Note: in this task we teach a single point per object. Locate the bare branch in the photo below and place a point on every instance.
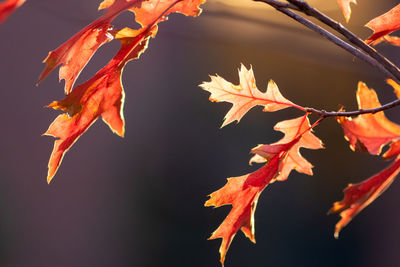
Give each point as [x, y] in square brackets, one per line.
[354, 39]
[326, 114]
[283, 8]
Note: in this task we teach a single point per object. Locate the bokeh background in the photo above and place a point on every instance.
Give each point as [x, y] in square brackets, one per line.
[138, 201]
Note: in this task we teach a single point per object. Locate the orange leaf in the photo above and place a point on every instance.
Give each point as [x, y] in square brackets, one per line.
[245, 96]
[369, 131]
[74, 54]
[393, 40]
[393, 150]
[384, 24]
[358, 196]
[146, 10]
[102, 95]
[243, 192]
[346, 9]
[7, 7]
[395, 86]
[293, 159]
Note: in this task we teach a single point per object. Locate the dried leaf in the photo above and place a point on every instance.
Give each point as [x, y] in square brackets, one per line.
[393, 40]
[384, 24]
[293, 159]
[7, 7]
[358, 196]
[393, 151]
[359, 129]
[103, 94]
[245, 96]
[346, 9]
[243, 192]
[395, 86]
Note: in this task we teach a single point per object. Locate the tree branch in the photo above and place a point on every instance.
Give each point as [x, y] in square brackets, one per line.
[326, 114]
[304, 7]
[283, 8]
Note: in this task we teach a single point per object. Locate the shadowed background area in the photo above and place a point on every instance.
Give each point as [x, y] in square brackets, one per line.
[138, 201]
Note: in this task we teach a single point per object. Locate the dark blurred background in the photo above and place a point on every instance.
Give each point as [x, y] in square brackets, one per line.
[138, 201]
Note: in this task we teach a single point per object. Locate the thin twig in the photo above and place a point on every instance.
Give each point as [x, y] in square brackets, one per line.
[326, 114]
[280, 4]
[369, 55]
[354, 39]
[282, 7]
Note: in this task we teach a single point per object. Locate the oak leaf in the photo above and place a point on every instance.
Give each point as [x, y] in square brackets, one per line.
[346, 9]
[293, 159]
[358, 196]
[7, 7]
[103, 94]
[243, 192]
[146, 10]
[74, 54]
[245, 96]
[384, 24]
[358, 130]
[393, 40]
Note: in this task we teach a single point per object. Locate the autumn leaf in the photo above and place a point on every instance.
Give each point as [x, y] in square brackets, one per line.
[358, 130]
[74, 54]
[146, 12]
[102, 95]
[393, 40]
[243, 192]
[7, 7]
[384, 24]
[346, 9]
[396, 87]
[245, 96]
[293, 160]
[358, 196]
[393, 151]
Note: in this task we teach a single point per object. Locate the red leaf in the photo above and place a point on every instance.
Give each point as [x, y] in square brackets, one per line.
[384, 24]
[7, 7]
[102, 95]
[293, 159]
[395, 86]
[393, 150]
[393, 40]
[346, 9]
[245, 96]
[358, 196]
[243, 192]
[146, 10]
[74, 54]
[358, 131]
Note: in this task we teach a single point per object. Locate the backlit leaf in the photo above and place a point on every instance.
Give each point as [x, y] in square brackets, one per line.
[243, 192]
[7, 7]
[103, 94]
[369, 131]
[384, 24]
[293, 159]
[346, 9]
[358, 196]
[245, 96]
